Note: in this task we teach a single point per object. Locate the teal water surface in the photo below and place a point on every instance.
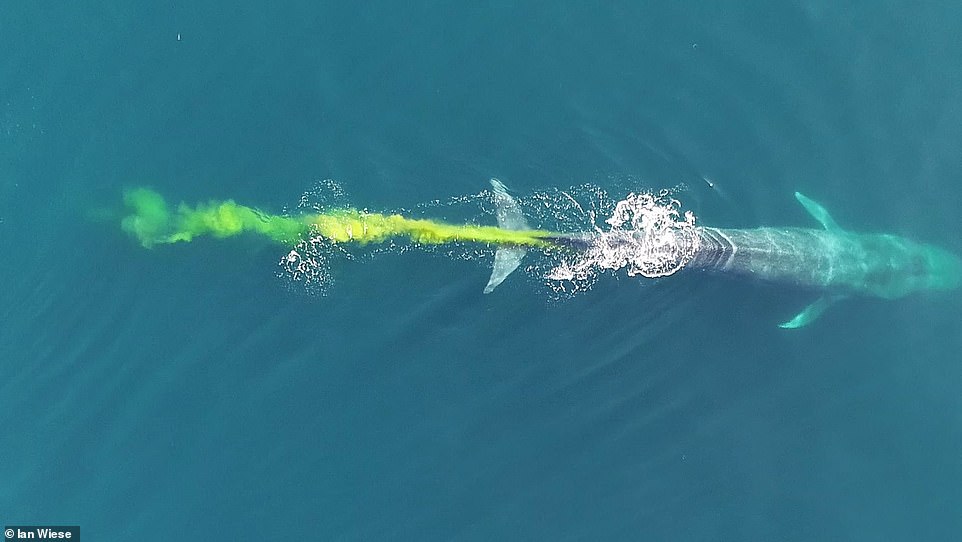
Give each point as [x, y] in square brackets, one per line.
[188, 392]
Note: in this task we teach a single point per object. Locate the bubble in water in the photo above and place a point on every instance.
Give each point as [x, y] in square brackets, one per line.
[325, 195]
[307, 267]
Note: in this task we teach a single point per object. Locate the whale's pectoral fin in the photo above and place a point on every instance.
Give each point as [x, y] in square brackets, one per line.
[811, 313]
[507, 258]
[818, 212]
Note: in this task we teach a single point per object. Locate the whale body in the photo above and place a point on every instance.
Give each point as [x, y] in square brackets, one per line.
[829, 261]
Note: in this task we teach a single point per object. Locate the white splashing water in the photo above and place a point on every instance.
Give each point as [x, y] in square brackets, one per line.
[646, 235]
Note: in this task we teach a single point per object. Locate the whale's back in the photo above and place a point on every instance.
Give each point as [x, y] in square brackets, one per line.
[879, 265]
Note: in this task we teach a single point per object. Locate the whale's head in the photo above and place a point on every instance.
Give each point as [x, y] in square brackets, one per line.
[941, 269]
[894, 267]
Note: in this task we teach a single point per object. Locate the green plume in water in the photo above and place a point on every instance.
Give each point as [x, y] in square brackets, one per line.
[150, 219]
[152, 222]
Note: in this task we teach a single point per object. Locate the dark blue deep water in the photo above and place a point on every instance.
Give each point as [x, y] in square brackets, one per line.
[186, 392]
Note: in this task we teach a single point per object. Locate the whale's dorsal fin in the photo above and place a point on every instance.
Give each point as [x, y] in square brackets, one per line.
[811, 313]
[818, 212]
[506, 258]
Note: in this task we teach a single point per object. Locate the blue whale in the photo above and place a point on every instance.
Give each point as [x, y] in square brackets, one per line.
[830, 262]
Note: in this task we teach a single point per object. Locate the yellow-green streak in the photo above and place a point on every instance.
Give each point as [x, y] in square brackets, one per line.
[152, 222]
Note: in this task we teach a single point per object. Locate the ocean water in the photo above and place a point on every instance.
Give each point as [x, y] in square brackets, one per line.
[189, 392]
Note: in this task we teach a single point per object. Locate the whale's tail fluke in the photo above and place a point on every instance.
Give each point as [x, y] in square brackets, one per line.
[507, 258]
